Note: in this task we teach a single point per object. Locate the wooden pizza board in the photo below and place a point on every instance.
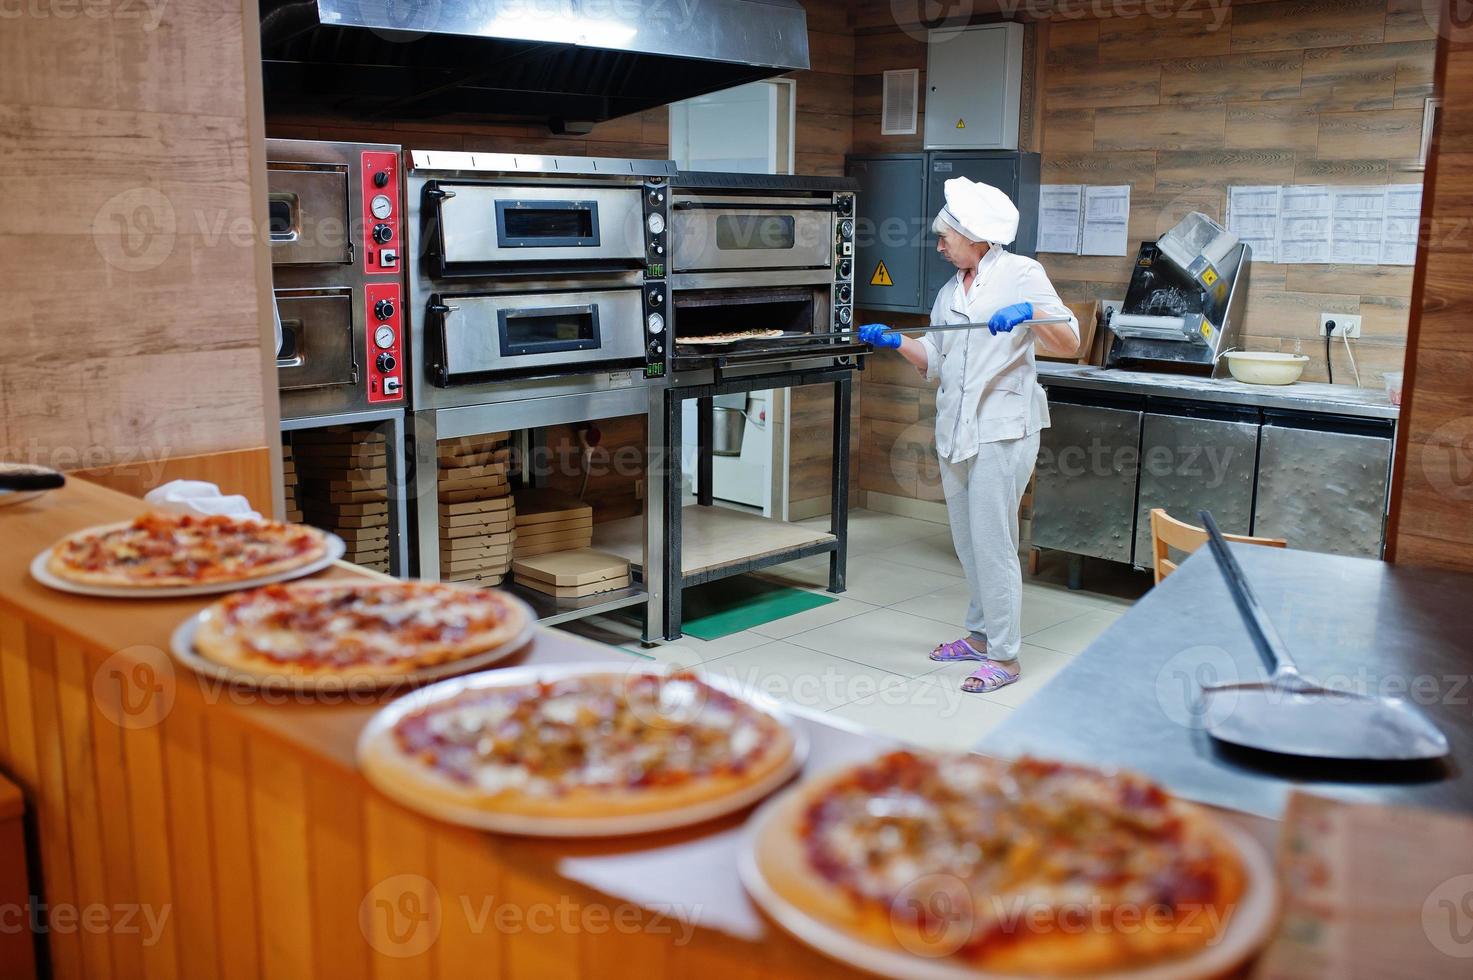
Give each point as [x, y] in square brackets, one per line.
[580, 566]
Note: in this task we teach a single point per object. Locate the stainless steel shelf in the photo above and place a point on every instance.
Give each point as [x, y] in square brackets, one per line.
[551, 610]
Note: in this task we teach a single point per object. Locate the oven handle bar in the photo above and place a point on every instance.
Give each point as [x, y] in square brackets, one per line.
[749, 206]
[944, 327]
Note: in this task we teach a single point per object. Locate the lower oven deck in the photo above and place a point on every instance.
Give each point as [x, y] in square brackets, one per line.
[745, 327]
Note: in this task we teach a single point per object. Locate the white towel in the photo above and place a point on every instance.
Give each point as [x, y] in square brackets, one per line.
[199, 497]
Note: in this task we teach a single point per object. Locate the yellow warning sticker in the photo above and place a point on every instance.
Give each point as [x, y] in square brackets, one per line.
[881, 276]
[1207, 331]
[1209, 276]
[961, 124]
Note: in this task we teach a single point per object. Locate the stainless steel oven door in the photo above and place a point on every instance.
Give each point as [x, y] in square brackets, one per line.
[307, 214]
[480, 223]
[710, 233]
[317, 347]
[561, 332]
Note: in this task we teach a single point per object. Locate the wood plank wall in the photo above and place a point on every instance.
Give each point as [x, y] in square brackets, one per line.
[134, 328]
[1432, 503]
[822, 137]
[1181, 107]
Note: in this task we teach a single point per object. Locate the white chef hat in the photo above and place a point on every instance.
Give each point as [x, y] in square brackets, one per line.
[979, 211]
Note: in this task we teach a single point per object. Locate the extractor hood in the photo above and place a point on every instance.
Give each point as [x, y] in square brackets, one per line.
[566, 62]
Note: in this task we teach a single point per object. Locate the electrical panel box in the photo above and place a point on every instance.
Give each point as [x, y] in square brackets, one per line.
[896, 265]
[974, 87]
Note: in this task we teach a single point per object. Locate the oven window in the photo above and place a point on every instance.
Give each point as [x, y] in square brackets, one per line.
[736, 232]
[547, 331]
[280, 217]
[547, 224]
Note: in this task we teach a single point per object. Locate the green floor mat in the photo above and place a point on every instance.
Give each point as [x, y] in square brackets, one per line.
[731, 605]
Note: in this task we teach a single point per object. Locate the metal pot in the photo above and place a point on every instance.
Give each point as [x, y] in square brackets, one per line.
[730, 427]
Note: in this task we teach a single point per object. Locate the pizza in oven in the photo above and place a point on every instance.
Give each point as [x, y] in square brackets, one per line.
[1019, 867]
[158, 550]
[732, 337]
[581, 746]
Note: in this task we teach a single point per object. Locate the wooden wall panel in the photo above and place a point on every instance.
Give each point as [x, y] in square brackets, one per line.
[135, 323]
[1432, 481]
[1184, 105]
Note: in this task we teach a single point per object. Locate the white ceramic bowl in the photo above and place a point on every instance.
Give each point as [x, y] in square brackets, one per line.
[1266, 367]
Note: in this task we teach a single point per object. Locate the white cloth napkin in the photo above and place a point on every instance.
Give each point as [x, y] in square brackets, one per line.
[199, 497]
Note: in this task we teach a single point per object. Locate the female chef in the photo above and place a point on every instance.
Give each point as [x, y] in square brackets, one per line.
[990, 409]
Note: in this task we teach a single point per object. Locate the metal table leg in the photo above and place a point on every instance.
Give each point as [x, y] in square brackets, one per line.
[705, 442]
[671, 566]
[426, 488]
[395, 463]
[839, 504]
[656, 522]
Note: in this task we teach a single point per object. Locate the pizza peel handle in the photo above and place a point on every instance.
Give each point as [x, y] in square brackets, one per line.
[1290, 714]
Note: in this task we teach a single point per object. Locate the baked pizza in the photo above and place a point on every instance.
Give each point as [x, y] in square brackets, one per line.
[581, 746]
[732, 337]
[1025, 866]
[355, 628]
[161, 549]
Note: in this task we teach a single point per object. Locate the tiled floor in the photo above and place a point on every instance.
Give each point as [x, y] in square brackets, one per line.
[864, 657]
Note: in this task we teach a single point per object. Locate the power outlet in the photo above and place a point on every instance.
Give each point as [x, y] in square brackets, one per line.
[1347, 324]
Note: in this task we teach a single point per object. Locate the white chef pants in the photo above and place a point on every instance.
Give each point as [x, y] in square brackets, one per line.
[982, 499]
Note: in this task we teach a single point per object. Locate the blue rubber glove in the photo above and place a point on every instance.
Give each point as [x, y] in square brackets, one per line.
[879, 335]
[1005, 319]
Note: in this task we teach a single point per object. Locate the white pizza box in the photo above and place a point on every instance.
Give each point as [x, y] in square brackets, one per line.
[505, 532]
[575, 591]
[537, 506]
[493, 519]
[582, 535]
[484, 506]
[533, 550]
[450, 474]
[577, 567]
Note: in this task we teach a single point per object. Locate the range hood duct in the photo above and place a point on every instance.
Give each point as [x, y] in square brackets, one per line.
[563, 62]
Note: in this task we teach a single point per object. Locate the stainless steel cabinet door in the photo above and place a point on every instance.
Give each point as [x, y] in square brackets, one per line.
[1084, 484]
[1192, 464]
[1322, 491]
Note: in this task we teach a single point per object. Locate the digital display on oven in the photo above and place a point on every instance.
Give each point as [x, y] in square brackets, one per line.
[738, 232]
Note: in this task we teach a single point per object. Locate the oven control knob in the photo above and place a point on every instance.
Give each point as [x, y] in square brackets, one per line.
[657, 198]
[381, 206]
[655, 223]
[384, 309]
[846, 229]
[846, 268]
[843, 292]
[656, 323]
[846, 205]
[381, 179]
[385, 362]
[844, 315]
[382, 233]
[656, 297]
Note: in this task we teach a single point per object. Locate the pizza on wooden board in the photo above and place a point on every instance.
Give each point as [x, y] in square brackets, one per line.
[584, 746]
[353, 628]
[1025, 866]
[158, 549]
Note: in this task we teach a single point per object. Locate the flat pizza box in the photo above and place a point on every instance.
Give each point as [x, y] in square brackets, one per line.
[377, 509]
[494, 566]
[349, 497]
[494, 483]
[538, 506]
[460, 495]
[495, 519]
[582, 534]
[356, 523]
[575, 591]
[381, 555]
[466, 442]
[584, 524]
[449, 474]
[499, 453]
[486, 506]
[577, 567]
[334, 435]
[499, 532]
[485, 580]
[491, 539]
[341, 471]
[488, 556]
[533, 550]
[294, 517]
[358, 536]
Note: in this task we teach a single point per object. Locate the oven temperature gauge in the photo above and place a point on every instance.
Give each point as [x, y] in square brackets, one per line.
[381, 206]
[656, 323]
[655, 223]
[384, 336]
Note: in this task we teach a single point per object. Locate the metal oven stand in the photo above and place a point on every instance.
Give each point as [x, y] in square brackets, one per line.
[672, 578]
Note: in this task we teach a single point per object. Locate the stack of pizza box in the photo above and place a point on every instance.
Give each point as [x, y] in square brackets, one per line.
[344, 489]
[289, 485]
[548, 522]
[477, 513]
[572, 574]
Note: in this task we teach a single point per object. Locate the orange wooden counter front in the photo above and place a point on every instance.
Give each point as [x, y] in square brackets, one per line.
[181, 832]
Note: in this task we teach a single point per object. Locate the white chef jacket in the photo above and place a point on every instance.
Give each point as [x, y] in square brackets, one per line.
[989, 384]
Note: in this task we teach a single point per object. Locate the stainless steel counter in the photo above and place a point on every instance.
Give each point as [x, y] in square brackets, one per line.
[1302, 396]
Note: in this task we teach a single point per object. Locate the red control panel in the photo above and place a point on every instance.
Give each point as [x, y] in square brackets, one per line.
[385, 342]
[382, 230]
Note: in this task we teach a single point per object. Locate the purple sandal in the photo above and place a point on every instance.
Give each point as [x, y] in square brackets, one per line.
[988, 678]
[955, 652]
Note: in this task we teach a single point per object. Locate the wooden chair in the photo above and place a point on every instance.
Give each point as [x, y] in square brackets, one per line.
[1168, 532]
